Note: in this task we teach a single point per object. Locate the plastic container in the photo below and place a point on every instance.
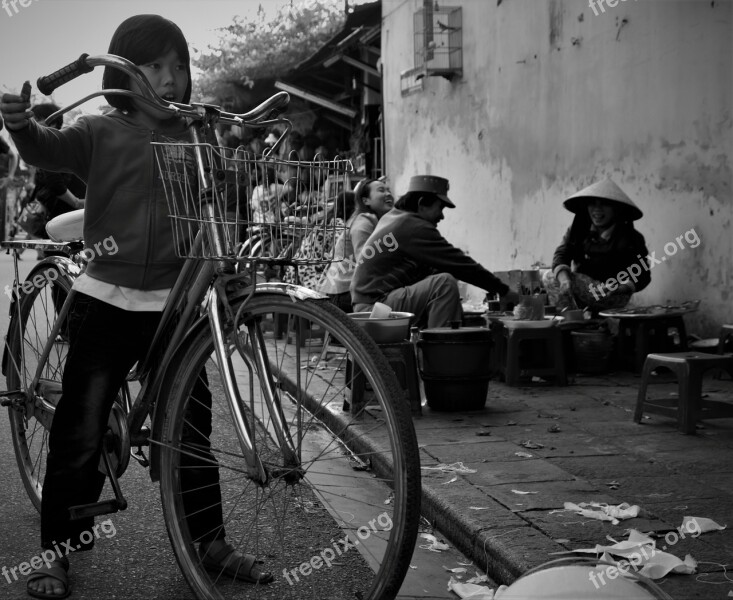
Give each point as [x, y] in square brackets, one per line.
[454, 366]
[393, 329]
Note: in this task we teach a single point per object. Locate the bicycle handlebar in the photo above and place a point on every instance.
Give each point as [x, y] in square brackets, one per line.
[48, 83]
[85, 64]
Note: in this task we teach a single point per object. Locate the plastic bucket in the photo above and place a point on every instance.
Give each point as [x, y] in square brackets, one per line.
[454, 367]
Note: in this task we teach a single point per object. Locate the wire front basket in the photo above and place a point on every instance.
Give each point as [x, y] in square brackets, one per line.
[250, 207]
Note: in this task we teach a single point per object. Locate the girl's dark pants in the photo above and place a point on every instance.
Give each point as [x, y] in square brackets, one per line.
[105, 342]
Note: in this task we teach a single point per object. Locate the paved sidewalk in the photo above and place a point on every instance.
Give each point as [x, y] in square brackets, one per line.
[591, 451]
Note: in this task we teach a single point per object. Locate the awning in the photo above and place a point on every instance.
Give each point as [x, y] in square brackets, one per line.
[310, 97]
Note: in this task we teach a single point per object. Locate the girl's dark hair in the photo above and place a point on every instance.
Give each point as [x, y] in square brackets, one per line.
[411, 200]
[42, 111]
[140, 39]
[362, 193]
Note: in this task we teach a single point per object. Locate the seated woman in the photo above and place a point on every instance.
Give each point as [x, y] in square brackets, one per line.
[602, 259]
[318, 243]
[373, 199]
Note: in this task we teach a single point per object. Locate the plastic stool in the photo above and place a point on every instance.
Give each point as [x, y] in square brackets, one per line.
[552, 338]
[638, 337]
[401, 357]
[689, 406]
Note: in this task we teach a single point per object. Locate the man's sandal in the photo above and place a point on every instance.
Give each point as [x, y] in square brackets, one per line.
[58, 570]
[223, 558]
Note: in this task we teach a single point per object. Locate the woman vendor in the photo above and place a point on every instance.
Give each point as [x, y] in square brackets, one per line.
[602, 259]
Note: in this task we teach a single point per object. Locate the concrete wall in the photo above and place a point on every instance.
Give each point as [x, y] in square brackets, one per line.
[554, 97]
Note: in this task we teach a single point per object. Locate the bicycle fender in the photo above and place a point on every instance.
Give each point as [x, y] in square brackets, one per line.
[67, 269]
[295, 292]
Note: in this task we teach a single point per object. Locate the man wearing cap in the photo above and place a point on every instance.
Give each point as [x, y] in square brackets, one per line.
[407, 265]
[602, 260]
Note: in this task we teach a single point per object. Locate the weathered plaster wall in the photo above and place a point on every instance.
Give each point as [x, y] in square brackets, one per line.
[553, 98]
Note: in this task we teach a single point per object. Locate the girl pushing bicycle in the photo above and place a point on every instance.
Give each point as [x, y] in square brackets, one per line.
[119, 299]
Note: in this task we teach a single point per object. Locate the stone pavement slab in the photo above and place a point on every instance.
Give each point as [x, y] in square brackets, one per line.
[591, 451]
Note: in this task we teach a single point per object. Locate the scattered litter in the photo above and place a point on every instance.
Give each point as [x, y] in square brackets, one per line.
[478, 579]
[479, 507]
[521, 492]
[640, 549]
[456, 467]
[470, 591]
[614, 485]
[357, 464]
[554, 428]
[524, 454]
[456, 569]
[531, 445]
[701, 524]
[413, 567]
[603, 511]
[390, 498]
[434, 545]
[562, 541]
[455, 478]
[509, 423]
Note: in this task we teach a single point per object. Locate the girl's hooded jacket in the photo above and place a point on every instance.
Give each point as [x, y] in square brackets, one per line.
[125, 198]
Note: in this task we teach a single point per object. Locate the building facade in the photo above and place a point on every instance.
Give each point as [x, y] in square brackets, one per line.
[522, 102]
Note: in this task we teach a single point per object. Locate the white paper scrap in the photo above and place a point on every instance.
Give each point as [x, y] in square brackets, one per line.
[470, 591]
[604, 512]
[433, 544]
[698, 525]
[521, 492]
[456, 467]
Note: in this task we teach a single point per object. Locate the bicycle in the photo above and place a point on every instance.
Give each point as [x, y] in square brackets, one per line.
[292, 464]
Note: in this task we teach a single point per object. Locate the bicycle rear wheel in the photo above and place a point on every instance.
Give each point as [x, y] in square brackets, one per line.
[344, 524]
[40, 298]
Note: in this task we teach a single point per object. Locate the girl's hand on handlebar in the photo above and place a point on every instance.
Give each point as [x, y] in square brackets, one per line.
[16, 109]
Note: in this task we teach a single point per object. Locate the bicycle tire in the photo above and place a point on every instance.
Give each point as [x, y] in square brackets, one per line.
[289, 524]
[38, 305]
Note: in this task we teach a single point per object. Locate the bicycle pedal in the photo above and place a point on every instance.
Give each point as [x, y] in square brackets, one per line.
[95, 509]
[140, 457]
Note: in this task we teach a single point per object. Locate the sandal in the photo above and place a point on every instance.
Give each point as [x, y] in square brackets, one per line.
[223, 558]
[59, 571]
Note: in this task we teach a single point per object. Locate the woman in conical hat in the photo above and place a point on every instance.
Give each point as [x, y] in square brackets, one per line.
[602, 259]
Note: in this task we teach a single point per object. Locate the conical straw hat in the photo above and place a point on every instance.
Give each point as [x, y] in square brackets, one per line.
[605, 190]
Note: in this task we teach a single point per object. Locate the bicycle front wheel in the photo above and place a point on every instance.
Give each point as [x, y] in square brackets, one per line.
[40, 299]
[337, 516]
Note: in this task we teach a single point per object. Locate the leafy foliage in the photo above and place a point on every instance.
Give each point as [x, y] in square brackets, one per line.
[258, 49]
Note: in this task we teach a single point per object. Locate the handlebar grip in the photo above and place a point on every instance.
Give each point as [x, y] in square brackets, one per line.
[48, 83]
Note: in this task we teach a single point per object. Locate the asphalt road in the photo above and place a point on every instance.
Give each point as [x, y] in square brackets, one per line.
[132, 558]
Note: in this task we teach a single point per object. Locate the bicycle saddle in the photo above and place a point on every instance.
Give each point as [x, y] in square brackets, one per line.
[68, 227]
